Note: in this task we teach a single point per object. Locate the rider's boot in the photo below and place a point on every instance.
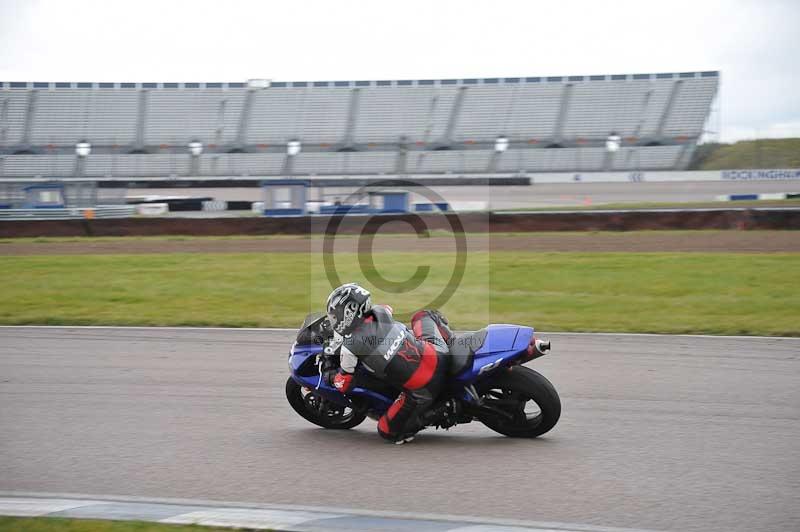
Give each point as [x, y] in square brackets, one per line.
[444, 415]
[404, 439]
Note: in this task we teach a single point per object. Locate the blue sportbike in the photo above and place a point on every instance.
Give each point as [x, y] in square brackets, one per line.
[487, 382]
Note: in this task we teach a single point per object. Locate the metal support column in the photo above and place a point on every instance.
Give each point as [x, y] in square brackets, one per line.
[194, 167]
[288, 166]
[140, 121]
[452, 121]
[673, 95]
[402, 160]
[3, 123]
[608, 161]
[566, 97]
[30, 112]
[244, 119]
[352, 119]
[219, 130]
[80, 166]
[684, 156]
[491, 168]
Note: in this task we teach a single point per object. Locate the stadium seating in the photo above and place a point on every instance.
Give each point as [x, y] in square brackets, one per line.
[176, 117]
[354, 127]
[388, 114]
[458, 162]
[67, 116]
[241, 164]
[137, 165]
[314, 116]
[13, 117]
[37, 165]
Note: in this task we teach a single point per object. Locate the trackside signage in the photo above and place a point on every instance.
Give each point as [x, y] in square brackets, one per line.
[646, 176]
[761, 174]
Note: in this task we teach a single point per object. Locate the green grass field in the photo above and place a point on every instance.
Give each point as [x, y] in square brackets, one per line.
[761, 153]
[632, 292]
[55, 524]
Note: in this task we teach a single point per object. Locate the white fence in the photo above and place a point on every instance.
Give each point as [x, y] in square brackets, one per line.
[101, 211]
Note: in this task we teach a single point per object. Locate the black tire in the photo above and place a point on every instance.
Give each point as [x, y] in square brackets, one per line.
[320, 412]
[520, 385]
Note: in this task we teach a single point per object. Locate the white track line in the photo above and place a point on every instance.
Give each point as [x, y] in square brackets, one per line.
[288, 329]
[249, 518]
[33, 506]
[228, 510]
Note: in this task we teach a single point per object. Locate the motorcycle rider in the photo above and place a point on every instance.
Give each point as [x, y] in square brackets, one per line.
[415, 362]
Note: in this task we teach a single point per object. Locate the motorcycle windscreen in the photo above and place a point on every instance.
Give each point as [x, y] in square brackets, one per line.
[310, 331]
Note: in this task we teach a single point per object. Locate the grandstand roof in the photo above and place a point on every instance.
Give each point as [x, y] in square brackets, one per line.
[346, 84]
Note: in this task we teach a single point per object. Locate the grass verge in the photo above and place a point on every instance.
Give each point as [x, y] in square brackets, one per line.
[58, 524]
[626, 292]
[758, 153]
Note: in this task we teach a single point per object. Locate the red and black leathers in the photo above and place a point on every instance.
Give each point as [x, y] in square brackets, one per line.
[414, 362]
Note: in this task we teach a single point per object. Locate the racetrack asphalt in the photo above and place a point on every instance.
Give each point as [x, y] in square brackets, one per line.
[657, 432]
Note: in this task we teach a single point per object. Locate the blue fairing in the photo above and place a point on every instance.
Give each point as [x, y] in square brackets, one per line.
[503, 345]
[300, 354]
[302, 358]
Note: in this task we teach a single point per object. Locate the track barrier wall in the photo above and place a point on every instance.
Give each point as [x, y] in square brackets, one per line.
[473, 222]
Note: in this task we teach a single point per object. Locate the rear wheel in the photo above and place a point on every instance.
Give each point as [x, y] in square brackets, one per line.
[529, 399]
[320, 411]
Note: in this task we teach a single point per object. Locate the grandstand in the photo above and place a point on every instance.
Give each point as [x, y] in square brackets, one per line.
[491, 126]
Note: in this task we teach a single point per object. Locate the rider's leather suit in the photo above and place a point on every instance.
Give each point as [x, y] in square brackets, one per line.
[415, 362]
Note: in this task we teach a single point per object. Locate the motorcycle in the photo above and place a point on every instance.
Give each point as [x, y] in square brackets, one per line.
[486, 381]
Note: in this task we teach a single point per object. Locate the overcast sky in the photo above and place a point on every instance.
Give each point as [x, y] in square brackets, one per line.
[755, 44]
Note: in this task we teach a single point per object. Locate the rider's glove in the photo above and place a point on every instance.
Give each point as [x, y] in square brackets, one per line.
[343, 381]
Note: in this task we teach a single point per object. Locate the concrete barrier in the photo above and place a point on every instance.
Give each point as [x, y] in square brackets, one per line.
[752, 197]
[64, 214]
[152, 209]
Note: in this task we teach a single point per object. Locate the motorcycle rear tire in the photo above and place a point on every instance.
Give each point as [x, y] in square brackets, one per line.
[523, 382]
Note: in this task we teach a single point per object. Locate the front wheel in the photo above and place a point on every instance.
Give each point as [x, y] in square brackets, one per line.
[319, 411]
[529, 399]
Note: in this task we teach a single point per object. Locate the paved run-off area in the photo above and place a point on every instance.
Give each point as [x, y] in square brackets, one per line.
[657, 432]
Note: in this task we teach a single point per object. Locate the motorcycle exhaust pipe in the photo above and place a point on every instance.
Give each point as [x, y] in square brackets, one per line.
[541, 345]
[536, 349]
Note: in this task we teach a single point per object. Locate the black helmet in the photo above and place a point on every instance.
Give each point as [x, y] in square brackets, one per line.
[346, 306]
